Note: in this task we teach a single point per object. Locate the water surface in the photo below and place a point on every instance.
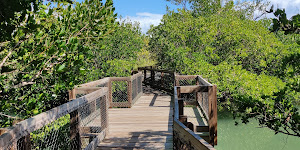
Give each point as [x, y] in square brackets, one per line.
[250, 136]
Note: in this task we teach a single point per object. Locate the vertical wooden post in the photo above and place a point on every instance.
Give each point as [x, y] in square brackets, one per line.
[176, 80]
[145, 74]
[23, 143]
[74, 130]
[197, 81]
[180, 104]
[182, 117]
[129, 92]
[110, 102]
[152, 76]
[72, 94]
[74, 124]
[162, 80]
[104, 114]
[212, 114]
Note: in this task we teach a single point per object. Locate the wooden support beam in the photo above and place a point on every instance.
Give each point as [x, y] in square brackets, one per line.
[202, 129]
[212, 114]
[181, 106]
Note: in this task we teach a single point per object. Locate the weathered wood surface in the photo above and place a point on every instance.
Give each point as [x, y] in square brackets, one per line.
[147, 125]
[190, 137]
[27, 126]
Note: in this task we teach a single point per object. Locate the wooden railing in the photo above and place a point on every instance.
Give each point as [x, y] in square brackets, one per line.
[41, 131]
[188, 90]
[123, 91]
[79, 124]
[84, 121]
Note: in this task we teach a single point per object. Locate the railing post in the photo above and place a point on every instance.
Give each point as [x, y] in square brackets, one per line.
[197, 81]
[74, 130]
[182, 117]
[162, 80]
[145, 74]
[110, 102]
[152, 74]
[74, 124]
[129, 92]
[104, 115]
[212, 114]
[176, 80]
[72, 94]
[23, 143]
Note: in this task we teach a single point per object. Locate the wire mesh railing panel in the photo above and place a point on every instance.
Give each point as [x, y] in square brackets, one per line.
[120, 96]
[203, 102]
[93, 120]
[72, 125]
[187, 81]
[55, 135]
[189, 98]
[139, 84]
[168, 81]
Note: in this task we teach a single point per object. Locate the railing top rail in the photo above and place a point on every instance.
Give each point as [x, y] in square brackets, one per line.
[154, 69]
[27, 126]
[203, 81]
[95, 83]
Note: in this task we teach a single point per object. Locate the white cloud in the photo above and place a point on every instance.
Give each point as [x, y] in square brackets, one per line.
[145, 19]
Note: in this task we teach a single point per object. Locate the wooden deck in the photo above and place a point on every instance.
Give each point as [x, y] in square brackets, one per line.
[147, 125]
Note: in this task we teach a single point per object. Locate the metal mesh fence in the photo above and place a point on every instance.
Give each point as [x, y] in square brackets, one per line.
[162, 80]
[136, 89]
[75, 124]
[168, 81]
[203, 102]
[139, 86]
[186, 81]
[119, 94]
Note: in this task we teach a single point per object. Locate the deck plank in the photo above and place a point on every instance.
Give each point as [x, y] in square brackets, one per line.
[147, 125]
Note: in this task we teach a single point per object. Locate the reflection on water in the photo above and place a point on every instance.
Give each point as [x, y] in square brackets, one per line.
[250, 137]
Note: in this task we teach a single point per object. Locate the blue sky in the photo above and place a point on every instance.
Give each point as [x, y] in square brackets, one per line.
[148, 12]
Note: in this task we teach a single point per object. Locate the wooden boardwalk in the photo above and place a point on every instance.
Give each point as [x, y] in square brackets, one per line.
[147, 125]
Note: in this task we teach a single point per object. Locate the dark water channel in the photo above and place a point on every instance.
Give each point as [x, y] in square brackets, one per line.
[250, 136]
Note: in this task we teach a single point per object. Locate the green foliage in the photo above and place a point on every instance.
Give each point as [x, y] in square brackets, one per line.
[241, 56]
[124, 50]
[51, 52]
[287, 25]
[60, 45]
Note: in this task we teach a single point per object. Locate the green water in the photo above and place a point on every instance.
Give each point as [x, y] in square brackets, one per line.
[250, 137]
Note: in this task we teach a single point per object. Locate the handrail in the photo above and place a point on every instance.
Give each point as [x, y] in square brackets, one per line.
[191, 140]
[204, 92]
[126, 98]
[92, 99]
[88, 101]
